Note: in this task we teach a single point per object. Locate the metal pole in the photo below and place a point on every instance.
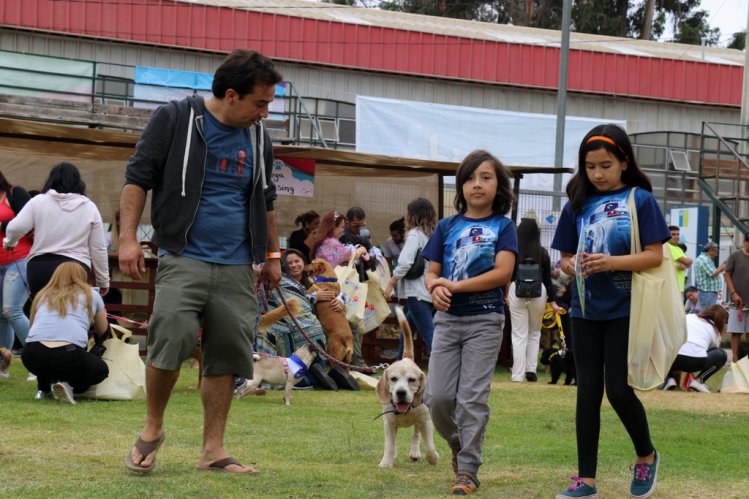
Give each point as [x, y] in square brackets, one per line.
[745, 95]
[564, 56]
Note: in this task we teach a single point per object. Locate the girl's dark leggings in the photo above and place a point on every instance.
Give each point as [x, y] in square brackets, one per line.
[600, 349]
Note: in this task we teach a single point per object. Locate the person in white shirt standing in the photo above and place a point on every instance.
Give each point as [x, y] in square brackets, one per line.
[67, 228]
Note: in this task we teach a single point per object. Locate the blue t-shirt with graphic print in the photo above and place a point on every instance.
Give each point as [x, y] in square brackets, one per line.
[467, 247]
[603, 226]
[220, 232]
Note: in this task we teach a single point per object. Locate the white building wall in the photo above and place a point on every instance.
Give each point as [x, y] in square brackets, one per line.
[641, 115]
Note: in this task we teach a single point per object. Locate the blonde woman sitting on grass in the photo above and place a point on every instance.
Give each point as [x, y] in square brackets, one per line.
[55, 350]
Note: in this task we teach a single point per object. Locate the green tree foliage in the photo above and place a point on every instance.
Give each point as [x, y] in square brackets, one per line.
[622, 18]
[738, 41]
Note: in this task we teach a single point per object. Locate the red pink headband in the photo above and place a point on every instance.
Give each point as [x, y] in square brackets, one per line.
[605, 139]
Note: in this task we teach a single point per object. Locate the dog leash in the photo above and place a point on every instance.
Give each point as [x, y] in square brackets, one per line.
[142, 325]
[556, 321]
[320, 351]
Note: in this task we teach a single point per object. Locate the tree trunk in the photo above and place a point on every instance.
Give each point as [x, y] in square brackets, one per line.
[646, 33]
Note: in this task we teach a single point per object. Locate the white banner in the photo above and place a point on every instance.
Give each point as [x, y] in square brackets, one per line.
[422, 130]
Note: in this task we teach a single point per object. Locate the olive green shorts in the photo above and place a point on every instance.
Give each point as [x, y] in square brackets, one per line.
[220, 299]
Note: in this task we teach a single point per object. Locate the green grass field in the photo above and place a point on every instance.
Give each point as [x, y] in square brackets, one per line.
[327, 446]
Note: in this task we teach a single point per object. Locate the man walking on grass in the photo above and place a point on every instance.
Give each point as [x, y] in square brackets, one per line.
[208, 165]
[737, 281]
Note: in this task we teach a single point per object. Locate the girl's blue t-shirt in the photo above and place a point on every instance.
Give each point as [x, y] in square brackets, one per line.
[467, 247]
[603, 226]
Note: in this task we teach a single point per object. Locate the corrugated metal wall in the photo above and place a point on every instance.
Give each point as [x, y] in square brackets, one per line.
[201, 27]
[642, 115]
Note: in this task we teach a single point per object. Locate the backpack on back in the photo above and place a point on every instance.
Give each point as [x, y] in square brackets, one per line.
[529, 280]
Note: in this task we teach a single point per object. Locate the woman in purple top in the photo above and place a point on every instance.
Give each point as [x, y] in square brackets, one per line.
[328, 247]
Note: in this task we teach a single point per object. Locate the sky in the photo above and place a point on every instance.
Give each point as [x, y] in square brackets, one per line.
[728, 15]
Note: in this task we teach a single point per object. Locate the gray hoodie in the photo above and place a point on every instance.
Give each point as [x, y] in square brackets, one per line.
[64, 224]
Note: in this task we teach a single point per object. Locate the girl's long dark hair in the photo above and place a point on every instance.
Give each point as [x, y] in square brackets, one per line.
[579, 186]
[66, 179]
[504, 197]
[529, 242]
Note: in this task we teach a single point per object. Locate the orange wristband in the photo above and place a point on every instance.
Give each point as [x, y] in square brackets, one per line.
[273, 255]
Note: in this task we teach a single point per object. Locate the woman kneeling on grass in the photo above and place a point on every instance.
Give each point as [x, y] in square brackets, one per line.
[55, 351]
[593, 237]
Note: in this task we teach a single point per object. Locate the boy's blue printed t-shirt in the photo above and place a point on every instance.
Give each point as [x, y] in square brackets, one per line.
[220, 232]
[603, 226]
[467, 247]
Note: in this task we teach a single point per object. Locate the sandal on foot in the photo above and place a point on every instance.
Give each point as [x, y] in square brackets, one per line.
[224, 463]
[145, 448]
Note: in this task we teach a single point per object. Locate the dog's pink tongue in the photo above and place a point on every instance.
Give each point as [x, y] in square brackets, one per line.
[402, 408]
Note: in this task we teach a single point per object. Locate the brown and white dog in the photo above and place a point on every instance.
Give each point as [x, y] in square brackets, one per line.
[337, 330]
[401, 391]
[277, 370]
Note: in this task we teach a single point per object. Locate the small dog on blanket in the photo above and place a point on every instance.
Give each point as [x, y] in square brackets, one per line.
[278, 370]
[6, 357]
[559, 360]
[334, 324]
[401, 390]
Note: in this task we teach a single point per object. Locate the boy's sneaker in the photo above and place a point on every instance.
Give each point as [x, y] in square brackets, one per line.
[578, 489]
[465, 483]
[698, 386]
[644, 478]
[64, 392]
[670, 384]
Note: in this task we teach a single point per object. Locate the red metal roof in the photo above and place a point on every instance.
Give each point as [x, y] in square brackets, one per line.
[378, 48]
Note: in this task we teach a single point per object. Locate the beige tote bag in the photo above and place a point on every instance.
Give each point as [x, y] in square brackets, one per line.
[657, 323]
[127, 372]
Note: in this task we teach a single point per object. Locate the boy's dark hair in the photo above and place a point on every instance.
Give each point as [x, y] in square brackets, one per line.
[242, 70]
[579, 186]
[502, 200]
[674, 227]
[690, 289]
[65, 179]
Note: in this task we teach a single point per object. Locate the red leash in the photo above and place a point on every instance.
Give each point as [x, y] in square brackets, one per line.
[142, 325]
